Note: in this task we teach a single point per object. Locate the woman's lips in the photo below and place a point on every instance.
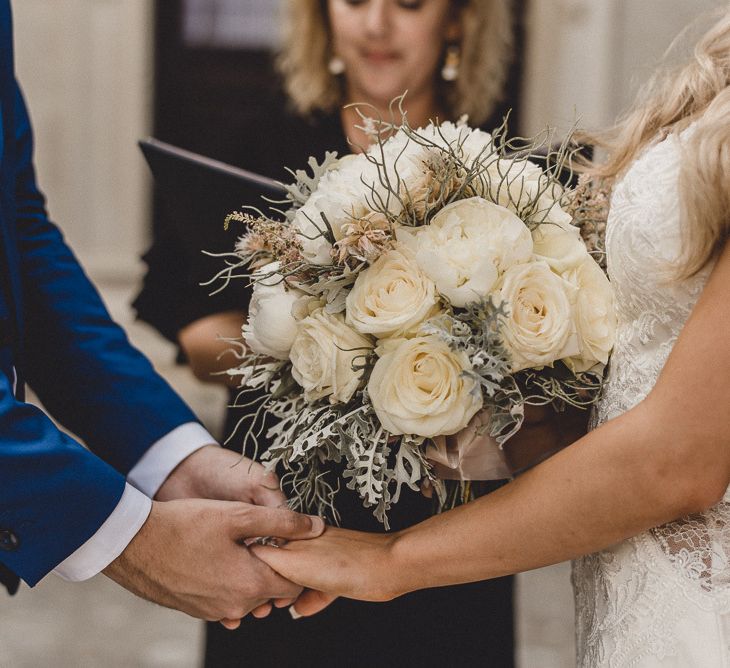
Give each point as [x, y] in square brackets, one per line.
[380, 57]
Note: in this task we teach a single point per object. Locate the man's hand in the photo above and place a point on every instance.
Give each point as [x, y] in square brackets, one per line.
[215, 473]
[190, 555]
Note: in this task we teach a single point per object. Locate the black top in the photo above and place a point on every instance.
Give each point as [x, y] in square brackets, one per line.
[469, 624]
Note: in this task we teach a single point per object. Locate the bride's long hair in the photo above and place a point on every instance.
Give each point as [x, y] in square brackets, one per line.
[669, 103]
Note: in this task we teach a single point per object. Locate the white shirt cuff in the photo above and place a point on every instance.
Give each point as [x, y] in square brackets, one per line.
[164, 455]
[110, 539]
[133, 508]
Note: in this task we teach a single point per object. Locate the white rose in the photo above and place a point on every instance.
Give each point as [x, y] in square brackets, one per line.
[418, 387]
[467, 247]
[312, 232]
[469, 143]
[340, 196]
[515, 184]
[477, 145]
[392, 296]
[539, 328]
[595, 316]
[549, 210]
[323, 354]
[270, 328]
[456, 137]
[407, 161]
[560, 245]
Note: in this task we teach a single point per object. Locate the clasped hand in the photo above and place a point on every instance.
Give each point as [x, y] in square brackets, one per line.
[192, 552]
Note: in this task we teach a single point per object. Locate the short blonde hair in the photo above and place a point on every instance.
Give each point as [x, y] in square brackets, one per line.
[487, 48]
[698, 91]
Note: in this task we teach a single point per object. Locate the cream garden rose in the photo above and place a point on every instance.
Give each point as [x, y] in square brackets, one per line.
[323, 354]
[418, 386]
[392, 296]
[270, 328]
[467, 247]
[540, 327]
[560, 245]
[515, 184]
[595, 316]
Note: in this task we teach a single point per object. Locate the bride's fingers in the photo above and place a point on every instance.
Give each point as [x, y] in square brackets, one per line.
[262, 611]
[310, 603]
[283, 602]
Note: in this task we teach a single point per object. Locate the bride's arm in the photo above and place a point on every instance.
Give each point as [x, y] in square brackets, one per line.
[666, 458]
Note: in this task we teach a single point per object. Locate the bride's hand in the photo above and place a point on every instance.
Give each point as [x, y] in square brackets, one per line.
[340, 563]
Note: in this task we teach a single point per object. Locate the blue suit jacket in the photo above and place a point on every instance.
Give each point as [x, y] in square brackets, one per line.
[57, 335]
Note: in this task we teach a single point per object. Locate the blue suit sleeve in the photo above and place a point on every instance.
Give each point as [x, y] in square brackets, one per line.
[55, 494]
[77, 360]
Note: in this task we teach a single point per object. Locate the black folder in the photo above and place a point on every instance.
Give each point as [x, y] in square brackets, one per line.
[196, 193]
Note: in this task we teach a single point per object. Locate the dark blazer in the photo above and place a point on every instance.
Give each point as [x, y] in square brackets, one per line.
[56, 335]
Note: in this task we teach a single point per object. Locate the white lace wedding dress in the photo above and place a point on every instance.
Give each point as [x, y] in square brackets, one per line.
[663, 597]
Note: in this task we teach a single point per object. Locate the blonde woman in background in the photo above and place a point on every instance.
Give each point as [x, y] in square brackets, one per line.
[645, 494]
[452, 56]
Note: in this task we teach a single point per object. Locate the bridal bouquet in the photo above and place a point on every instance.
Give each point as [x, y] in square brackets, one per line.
[408, 303]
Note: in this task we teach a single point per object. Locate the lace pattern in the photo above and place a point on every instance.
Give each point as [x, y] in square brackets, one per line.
[661, 598]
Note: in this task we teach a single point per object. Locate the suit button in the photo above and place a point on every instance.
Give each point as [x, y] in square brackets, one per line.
[8, 541]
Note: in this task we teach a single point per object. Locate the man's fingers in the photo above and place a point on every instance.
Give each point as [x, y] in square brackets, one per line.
[270, 584]
[268, 490]
[278, 559]
[272, 498]
[310, 603]
[231, 624]
[279, 522]
[279, 587]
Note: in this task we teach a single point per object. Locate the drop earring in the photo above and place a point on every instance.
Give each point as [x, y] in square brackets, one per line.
[450, 70]
[336, 66]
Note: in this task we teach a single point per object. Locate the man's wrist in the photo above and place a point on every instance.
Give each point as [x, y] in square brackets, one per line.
[165, 455]
[110, 539]
[188, 478]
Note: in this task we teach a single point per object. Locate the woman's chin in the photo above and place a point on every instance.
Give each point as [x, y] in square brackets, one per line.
[380, 89]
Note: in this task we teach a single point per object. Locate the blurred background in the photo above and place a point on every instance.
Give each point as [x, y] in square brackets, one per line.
[101, 74]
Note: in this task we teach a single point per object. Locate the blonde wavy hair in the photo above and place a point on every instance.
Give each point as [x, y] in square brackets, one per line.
[673, 100]
[487, 48]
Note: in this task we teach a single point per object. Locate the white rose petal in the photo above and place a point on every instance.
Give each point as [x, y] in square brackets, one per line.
[467, 247]
[418, 387]
[549, 210]
[560, 245]
[390, 297]
[540, 328]
[595, 315]
[270, 328]
[323, 354]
